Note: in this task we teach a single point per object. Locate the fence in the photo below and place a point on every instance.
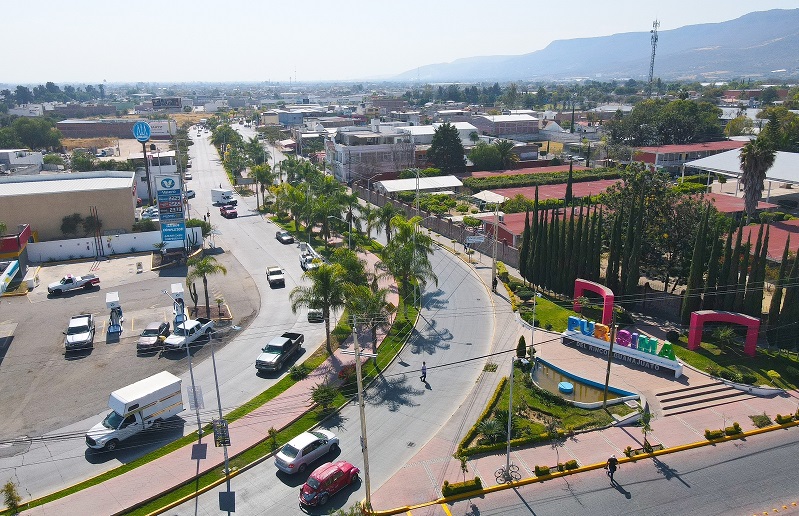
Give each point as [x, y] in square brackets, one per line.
[57, 250]
[454, 231]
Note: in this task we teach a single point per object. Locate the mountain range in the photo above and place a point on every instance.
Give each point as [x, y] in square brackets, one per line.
[758, 45]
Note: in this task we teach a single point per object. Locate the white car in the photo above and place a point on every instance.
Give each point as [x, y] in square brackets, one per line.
[300, 452]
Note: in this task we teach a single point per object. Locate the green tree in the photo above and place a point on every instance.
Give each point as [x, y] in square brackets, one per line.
[202, 267]
[385, 214]
[370, 308]
[505, 150]
[326, 292]
[82, 161]
[37, 133]
[53, 159]
[569, 196]
[521, 348]
[407, 257]
[324, 394]
[446, 150]
[11, 497]
[773, 332]
[691, 299]
[756, 158]
[485, 157]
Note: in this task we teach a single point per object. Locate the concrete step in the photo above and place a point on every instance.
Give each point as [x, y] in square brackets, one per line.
[699, 405]
[704, 391]
[691, 388]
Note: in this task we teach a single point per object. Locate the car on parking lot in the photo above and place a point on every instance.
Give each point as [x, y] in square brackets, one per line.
[228, 211]
[190, 194]
[284, 237]
[296, 455]
[327, 480]
[153, 335]
[80, 332]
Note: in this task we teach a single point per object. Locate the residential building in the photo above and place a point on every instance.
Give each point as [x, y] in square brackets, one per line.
[29, 110]
[14, 158]
[514, 127]
[360, 154]
[671, 157]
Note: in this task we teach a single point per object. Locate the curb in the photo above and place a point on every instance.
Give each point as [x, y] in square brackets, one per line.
[581, 469]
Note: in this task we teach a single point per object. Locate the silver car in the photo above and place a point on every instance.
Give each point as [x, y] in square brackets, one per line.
[300, 452]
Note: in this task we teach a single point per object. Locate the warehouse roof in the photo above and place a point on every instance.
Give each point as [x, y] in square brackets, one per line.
[425, 183]
[65, 183]
[784, 170]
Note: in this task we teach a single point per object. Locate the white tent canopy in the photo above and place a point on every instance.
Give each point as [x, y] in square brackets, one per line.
[425, 183]
[490, 197]
[784, 170]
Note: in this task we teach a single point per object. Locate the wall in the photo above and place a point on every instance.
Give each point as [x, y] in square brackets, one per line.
[57, 250]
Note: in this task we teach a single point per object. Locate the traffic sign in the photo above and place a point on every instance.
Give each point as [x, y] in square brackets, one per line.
[221, 433]
[141, 131]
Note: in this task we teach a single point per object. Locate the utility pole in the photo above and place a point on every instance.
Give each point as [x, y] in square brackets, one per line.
[364, 444]
[610, 359]
[494, 253]
[654, 40]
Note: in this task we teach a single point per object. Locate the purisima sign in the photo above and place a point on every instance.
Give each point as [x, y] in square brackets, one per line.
[629, 347]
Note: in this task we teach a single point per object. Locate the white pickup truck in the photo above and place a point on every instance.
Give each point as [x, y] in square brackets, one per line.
[70, 282]
[187, 332]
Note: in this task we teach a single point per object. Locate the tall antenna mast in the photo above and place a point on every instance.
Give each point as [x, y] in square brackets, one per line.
[654, 33]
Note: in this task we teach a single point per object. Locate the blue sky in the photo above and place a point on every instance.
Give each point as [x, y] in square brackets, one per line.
[89, 41]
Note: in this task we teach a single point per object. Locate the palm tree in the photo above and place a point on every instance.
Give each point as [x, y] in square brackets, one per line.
[384, 215]
[368, 215]
[370, 308]
[407, 257]
[326, 292]
[202, 268]
[474, 137]
[756, 157]
[264, 177]
[506, 155]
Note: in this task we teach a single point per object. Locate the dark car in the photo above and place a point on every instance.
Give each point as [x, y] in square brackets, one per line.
[228, 211]
[327, 480]
[152, 337]
[284, 237]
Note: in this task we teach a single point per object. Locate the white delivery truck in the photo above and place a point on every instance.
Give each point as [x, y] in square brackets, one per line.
[144, 404]
[222, 196]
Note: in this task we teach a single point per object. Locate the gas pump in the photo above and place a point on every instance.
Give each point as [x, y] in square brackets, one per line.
[115, 319]
[179, 305]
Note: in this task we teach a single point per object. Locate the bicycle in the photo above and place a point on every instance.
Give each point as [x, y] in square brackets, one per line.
[506, 476]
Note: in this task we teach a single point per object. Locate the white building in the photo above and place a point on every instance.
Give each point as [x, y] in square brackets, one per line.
[30, 110]
[423, 134]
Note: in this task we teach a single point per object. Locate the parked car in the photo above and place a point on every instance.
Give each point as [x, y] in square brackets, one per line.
[315, 315]
[327, 480]
[190, 194]
[153, 335]
[284, 237]
[228, 211]
[297, 454]
[275, 276]
[187, 176]
[80, 332]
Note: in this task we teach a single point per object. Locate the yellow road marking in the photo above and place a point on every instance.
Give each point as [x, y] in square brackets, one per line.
[446, 509]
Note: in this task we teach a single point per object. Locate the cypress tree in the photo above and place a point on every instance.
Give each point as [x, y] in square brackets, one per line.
[524, 251]
[571, 258]
[614, 254]
[732, 275]
[563, 259]
[633, 267]
[773, 333]
[538, 256]
[627, 247]
[691, 300]
[721, 284]
[789, 315]
[740, 290]
[568, 198]
[583, 255]
[535, 250]
[554, 250]
[597, 247]
[751, 281]
[709, 294]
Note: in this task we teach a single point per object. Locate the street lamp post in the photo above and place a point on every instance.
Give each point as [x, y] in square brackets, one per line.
[349, 235]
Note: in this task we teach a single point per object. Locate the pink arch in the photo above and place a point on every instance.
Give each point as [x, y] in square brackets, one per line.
[699, 318]
[581, 285]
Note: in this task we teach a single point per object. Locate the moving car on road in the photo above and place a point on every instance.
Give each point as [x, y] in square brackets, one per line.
[300, 452]
[228, 211]
[327, 480]
[70, 282]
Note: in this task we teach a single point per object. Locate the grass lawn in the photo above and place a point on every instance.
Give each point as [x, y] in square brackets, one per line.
[728, 361]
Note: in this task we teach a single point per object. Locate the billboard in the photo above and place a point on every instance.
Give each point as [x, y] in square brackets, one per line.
[162, 128]
[167, 103]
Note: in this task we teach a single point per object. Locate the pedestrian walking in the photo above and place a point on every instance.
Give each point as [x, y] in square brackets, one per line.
[494, 284]
[424, 373]
[611, 466]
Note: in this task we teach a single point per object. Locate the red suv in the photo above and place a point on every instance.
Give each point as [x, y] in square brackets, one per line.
[228, 211]
[327, 480]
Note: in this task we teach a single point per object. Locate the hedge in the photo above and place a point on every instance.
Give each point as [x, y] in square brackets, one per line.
[541, 471]
[714, 434]
[781, 420]
[542, 178]
[733, 430]
[568, 465]
[461, 487]
[470, 435]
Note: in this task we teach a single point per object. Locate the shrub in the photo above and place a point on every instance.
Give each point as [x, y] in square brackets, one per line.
[572, 464]
[781, 420]
[714, 434]
[749, 378]
[525, 295]
[713, 370]
[299, 372]
[761, 421]
[472, 432]
[347, 373]
[502, 272]
[461, 487]
[732, 376]
[541, 471]
[628, 451]
[732, 430]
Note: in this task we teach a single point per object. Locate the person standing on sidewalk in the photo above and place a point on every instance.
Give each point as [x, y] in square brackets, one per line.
[424, 373]
[611, 466]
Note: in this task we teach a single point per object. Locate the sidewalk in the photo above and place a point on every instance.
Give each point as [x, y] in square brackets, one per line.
[178, 467]
[420, 480]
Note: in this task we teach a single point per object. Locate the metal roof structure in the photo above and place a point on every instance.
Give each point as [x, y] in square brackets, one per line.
[784, 170]
[425, 183]
[64, 183]
[490, 197]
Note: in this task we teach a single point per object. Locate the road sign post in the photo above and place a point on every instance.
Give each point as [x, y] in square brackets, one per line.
[141, 131]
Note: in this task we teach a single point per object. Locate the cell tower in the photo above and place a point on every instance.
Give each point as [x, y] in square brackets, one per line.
[654, 33]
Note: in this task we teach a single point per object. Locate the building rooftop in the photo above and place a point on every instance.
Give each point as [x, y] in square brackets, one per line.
[693, 147]
[64, 183]
[425, 183]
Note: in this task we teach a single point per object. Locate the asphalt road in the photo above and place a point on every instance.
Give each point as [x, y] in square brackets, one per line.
[755, 476]
[76, 400]
[402, 412]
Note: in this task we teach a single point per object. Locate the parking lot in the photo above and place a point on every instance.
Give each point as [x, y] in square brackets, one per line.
[45, 388]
